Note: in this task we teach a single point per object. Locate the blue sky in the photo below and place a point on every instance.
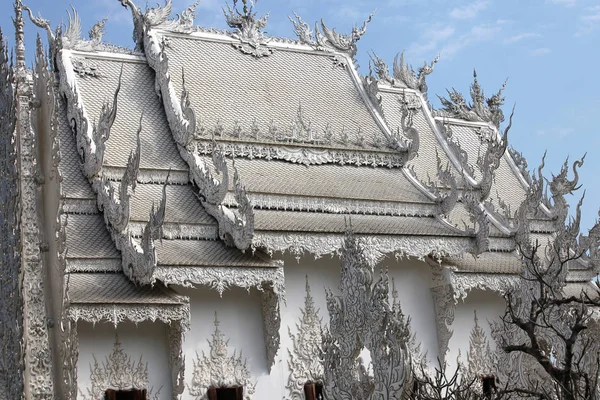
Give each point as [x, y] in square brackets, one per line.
[548, 50]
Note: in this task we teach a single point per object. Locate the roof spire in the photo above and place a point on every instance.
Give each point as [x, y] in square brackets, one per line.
[19, 35]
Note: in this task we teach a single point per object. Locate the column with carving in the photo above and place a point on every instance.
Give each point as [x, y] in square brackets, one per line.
[38, 362]
[176, 358]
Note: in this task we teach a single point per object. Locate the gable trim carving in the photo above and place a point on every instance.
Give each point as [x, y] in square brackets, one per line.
[118, 313]
[218, 369]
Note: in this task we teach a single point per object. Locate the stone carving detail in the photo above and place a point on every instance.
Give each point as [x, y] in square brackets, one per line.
[133, 313]
[219, 369]
[37, 357]
[341, 206]
[84, 67]
[405, 76]
[248, 29]
[326, 39]
[306, 155]
[318, 245]
[221, 278]
[521, 164]
[481, 110]
[236, 227]
[304, 360]
[271, 323]
[561, 186]
[449, 288]
[118, 371]
[11, 297]
[183, 22]
[363, 317]
[69, 350]
[176, 358]
[150, 18]
[480, 359]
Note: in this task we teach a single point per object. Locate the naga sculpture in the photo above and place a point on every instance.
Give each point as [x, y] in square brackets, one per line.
[405, 75]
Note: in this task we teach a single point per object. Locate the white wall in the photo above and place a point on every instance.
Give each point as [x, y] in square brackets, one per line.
[240, 316]
[489, 306]
[148, 340]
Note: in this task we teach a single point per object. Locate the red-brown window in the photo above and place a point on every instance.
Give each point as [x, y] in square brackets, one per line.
[313, 391]
[226, 393]
[488, 384]
[129, 394]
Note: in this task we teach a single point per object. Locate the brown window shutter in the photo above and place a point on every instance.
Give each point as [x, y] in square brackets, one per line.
[110, 394]
[309, 391]
[212, 393]
[239, 393]
[140, 394]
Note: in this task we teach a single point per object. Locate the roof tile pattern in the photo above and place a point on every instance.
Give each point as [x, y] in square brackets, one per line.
[233, 86]
[87, 237]
[136, 96]
[498, 262]
[74, 184]
[268, 220]
[113, 288]
[328, 180]
[205, 253]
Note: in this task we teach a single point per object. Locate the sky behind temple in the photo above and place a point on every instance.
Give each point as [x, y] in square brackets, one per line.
[548, 50]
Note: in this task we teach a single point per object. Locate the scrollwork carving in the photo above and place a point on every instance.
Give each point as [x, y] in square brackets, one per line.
[271, 322]
[326, 39]
[248, 29]
[176, 358]
[482, 109]
[304, 358]
[405, 76]
[218, 369]
[118, 371]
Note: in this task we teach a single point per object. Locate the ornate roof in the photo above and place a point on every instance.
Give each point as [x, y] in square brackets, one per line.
[202, 140]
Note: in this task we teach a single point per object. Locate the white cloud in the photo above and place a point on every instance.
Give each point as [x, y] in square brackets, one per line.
[477, 34]
[521, 36]
[556, 132]
[540, 51]
[469, 11]
[565, 3]
[589, 22]
[432, 38]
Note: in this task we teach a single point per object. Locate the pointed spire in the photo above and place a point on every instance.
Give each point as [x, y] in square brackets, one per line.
[19, 36]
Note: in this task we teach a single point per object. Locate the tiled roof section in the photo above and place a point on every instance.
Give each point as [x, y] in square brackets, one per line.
[496, 262]
[136, 96]
[88, 238]
[74, 184]
[327, 180]
[204, 253]
[267, 220]
[469, 141]
[226, 85]
[182, 205]
[425, 164]
[115, 288]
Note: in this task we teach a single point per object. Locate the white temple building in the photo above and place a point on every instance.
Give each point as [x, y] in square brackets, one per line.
[172, 214]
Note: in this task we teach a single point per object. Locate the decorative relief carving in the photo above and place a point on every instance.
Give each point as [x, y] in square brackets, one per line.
[481, 109]
[304, 360]
[176, 358]
[218, 369]
[326, 39]
[37, 358]
[340, 206]
[117, 314]
[221, 278]
[11, 297]
[248, 29]
[323, 244]
[84, 67]
[404, 75]
[118, 371]
[271, 323]
[480, 359]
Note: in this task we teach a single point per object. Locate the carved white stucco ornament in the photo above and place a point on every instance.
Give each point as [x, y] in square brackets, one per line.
[118, 371]
[11, 298]
[248, 29]
[218, 369]
[326, 39]
[362, 317]
[304, 360]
